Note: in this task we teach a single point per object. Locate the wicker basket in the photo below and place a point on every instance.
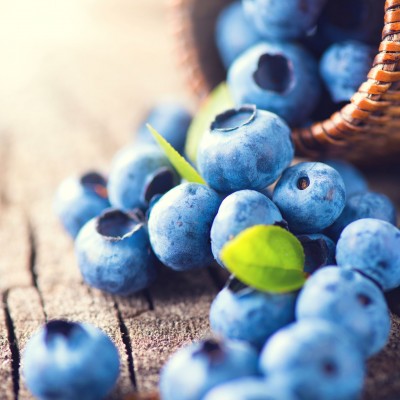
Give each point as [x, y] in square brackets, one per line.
[366, 129]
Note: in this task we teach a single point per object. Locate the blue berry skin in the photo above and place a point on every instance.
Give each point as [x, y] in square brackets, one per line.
[180, 224]
[317, 360]
[171, 120]
[80, 199]
[371, 246]
[310, 196]
[242, 313]
[347, 298]
[344, 67]
[353, 179]
[231, 42]
[279, 20]
[250, 389]
[195, 369]
[244, 149]
[277, 77]
[239, 211]
[114, 253]
[363, 205]
[137, 174]
[69, 361]
[319, 250]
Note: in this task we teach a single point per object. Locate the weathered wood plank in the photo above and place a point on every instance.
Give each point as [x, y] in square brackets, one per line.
[14, 242]
[181, 302]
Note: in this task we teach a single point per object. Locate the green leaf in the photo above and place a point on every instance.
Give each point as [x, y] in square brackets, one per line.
[218, 101]
[266, 257]
[185, 170]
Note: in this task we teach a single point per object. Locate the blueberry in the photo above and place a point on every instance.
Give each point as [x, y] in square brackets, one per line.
[171, 120]
[310, 196]
[114, 253]
[319, 251]
[363, 205]
[349, 299]
[250, 389]
[80, 199]
[242, 313]
[180, 224]
[289, 19]
[344, 67]
[234, 33]
[316, 359]
[195, 369]
[69, 361]
[352, 20]
[239, 211]
[244, 149]
[353, 179]
[137, 174]
[371, 246]
[277, 77]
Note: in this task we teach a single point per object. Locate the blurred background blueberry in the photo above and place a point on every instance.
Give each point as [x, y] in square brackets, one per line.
[363, 205]
[279, 20]
[79, 199]
[137, 174]
[171, 120]
[234, 33]
[277, 77]
[344, 67]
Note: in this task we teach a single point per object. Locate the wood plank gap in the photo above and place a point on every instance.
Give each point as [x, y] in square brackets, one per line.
[32, 264]
[12, 340]
[128, 345]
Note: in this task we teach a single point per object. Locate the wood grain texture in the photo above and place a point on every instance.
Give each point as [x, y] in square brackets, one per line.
[14, 239]
[180, 303]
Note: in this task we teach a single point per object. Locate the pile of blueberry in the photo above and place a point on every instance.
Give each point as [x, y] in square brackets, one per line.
[310, 344]
[305, 344]
[301, 59]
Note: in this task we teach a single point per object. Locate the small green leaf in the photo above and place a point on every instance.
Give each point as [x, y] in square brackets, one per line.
[266, 257]
[218, 101]
[185, 170]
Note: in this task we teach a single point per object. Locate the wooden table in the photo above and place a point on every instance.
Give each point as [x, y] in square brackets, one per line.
[75, 77]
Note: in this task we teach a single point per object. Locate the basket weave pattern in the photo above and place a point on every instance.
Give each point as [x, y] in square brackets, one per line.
[368, 128]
